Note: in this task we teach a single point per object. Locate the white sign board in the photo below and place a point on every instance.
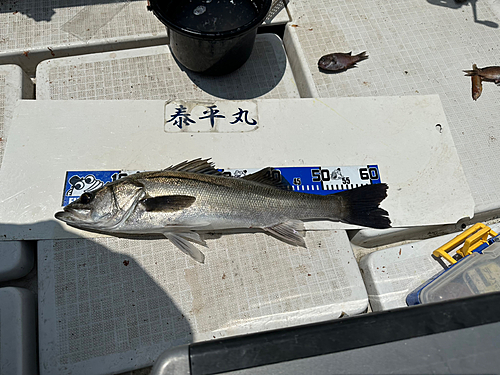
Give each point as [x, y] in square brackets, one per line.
[408, 138]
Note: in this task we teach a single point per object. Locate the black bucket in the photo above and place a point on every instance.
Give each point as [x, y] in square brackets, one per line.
[211, 36]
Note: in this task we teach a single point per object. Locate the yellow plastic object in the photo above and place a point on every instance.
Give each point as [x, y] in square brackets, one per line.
[471, 239]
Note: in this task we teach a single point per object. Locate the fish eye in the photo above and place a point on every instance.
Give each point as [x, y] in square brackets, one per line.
[79, 185]
[89, 179]
[86, 198]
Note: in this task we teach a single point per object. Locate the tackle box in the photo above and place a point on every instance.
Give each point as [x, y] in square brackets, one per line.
[475, 269]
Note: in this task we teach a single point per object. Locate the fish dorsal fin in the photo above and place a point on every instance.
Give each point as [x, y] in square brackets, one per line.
[204, 166]
[167, 203]
[269, 176]
[350, 53]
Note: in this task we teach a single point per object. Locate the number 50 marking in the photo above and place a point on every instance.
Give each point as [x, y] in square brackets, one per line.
[320, 175]
[369, 173]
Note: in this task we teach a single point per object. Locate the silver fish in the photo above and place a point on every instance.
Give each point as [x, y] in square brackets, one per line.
[193, 196]
[340, 61]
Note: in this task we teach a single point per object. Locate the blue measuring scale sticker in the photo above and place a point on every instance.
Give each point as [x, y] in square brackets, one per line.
[312, 180]
[321, 180]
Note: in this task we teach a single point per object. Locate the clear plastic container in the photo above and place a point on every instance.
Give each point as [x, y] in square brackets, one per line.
[477, 273]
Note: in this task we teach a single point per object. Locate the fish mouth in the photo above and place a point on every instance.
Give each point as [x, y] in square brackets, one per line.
[61, 215]
[73, 216]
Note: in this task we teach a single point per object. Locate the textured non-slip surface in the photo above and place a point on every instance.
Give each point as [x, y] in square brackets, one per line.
[110, 304]
[152, 73]
[34, 24]
[2, 114]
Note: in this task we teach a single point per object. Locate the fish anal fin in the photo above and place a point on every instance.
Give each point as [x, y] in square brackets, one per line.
[288, 231]
[269, 176]
[181, 241]
[167, 203]
[193, 237]
[204, 166]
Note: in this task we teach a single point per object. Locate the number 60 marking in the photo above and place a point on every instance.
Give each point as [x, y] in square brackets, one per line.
[369, 173]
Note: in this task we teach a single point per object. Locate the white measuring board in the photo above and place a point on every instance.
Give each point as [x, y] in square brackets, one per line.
[407, 137]
[16, 258]
[14, 85]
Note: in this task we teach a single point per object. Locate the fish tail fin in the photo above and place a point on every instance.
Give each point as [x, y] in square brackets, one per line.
[362, 56]
[470, 73]
[361, 206]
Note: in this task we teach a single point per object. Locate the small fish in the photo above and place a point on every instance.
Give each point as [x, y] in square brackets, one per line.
[489, 74]
[193, 196]
[477, 86]
[340, 61]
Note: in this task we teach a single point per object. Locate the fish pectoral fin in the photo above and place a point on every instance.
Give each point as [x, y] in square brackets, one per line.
[181, 240]
[289, 231]
[167, 203]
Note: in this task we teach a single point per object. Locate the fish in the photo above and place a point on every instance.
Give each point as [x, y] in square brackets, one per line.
[193, 196]
[489, 74]
[340, 61]
[477, 86]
